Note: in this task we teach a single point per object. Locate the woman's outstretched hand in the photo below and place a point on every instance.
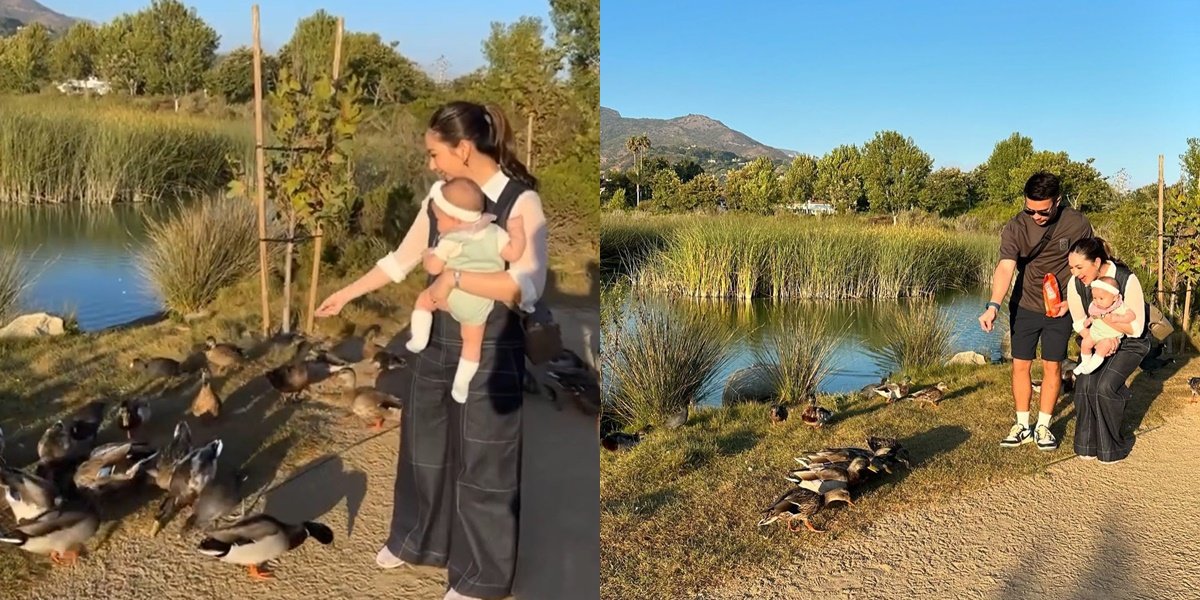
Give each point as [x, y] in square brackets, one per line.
[333, 304]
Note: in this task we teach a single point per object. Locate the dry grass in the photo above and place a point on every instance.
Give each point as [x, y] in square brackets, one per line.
[679, 511]
[14, 279]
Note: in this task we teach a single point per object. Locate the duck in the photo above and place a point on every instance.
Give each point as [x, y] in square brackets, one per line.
[779, 413]
[171, 455]
[367, 402]
[206, 403]
[619, 441]
[678, 418]
[570, 374]
[370, 349]
[821, 478]
[132, 414]
[158, 367]
[113, 466]
[28, 495]
[291, 378]
[886, 452]
[796, 503]
[222, 356]
[188, 479]
[869, 389]
[60, 532]
[1194, 386]
[813, 415]
[215, 501]
[384, 361]
[931, 395]
[893, 391]
[59, 443]
[259, 538]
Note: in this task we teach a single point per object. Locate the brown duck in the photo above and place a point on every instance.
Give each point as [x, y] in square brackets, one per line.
[206, 402]
[291, 379]
[368, 403]
[222, 356]
[931, 395]
[815, 416]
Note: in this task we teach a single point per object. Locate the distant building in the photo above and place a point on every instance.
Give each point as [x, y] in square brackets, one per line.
[82, 86]
[812, 208]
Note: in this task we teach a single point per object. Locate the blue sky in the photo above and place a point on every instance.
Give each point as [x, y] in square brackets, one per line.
[1118, 81]
[425, 30]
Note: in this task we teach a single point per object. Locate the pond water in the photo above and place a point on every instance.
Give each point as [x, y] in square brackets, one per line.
[83, 260]
[855, 359]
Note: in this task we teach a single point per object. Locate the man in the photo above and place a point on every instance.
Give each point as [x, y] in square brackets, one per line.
[1020, 254]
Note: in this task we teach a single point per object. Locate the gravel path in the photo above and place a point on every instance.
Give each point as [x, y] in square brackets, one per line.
[1081, 530]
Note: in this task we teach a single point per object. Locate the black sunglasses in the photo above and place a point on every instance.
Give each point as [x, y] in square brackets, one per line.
[1045, 213]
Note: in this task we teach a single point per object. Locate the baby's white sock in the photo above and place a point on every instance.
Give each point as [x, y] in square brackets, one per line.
[462, 379]
[420, 324]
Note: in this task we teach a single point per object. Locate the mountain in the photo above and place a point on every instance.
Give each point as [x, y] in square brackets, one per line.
[693, 136]
[30, 11]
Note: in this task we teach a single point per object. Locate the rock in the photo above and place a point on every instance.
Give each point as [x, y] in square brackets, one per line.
[967, 358]
[752, 384]
[34, 325]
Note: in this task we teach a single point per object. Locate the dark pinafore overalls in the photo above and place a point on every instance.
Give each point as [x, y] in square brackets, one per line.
[458, 474]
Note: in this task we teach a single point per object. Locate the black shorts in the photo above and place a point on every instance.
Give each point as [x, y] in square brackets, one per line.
[1028, 326]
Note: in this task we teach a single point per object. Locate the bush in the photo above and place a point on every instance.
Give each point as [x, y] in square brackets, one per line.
[916, 336]
[797, 352]
[191, 255]
[13, 281]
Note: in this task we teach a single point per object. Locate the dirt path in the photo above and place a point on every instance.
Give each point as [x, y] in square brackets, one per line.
[350, 489]
[1080, 531]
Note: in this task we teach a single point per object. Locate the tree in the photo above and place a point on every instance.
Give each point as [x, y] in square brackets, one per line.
[947, 192]
[577, 38]
[73, 55]
[23, 59]
[754, 187]
[638, 145]
[1082, 186]
[174, 48]
[893, 170]
[233, 75]
[1008, 154]
[617, 201]
[687, 169]
[800, 179]
[839, 181]
[703, 192]
[666, 191]
[522, 70]
[386, 75]
[117, 60]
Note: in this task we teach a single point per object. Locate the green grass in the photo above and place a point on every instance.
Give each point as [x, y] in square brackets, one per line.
[61, 152]
[14, 279]
[792, 257]
[919, 335]
[798, 352]
[679, 511]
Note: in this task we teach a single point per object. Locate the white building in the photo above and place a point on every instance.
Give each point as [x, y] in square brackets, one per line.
[812, 208]
[80, 86]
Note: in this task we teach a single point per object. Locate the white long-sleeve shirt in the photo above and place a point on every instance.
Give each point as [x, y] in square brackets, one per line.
[529, 271]
[1132, 296]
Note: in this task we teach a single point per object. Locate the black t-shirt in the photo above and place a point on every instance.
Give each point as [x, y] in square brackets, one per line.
[1017, 240]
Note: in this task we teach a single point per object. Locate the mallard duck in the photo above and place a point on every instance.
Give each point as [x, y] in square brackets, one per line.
[215, 501]
[367, 402]
[369, 348]
[386, 361]
[887, 452]
[131, 415]
[171, 455]
[815, 416]
[678, 418]
[833, 456]
[28, 495]
[207, 402]
[1194, 386]
[222, 356]
[931, 395]
[824, 477]
[188, 479]
[869, 390]
[59, 533]
[113, 466]
[157, 367]
[779, 413]
[257, 539]
[893, 391]
[796, 503]
[58, 445]
[618, 441]
[291, 379]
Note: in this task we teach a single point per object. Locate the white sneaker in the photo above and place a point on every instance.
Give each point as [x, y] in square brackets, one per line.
[453, 595]
[387, 560]
[1019, 434]
[1111, 462]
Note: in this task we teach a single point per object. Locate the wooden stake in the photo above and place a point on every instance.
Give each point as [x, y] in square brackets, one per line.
[1187, 306]
[1160, 231]
[260, 168]
[317, 237]
[529, 142]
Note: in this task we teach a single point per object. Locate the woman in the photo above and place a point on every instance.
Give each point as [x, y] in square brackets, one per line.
[458, 473]
[1100, 396]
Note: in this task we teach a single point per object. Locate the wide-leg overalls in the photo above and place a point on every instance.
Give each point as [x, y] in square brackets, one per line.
[458, 474]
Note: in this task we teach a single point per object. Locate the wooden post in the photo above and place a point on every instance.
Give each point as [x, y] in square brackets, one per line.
[529, 142]
[1160, 231]
[260, 168]
[1187, 307]
[317, 237]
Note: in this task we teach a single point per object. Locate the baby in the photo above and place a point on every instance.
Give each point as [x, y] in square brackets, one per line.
[1099, 337]
[468, 241]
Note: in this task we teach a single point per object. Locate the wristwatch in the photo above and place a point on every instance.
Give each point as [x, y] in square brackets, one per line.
[457, 278]
[996, 304]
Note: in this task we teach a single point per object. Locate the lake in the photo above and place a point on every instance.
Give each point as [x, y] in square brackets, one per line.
[83, 260]
[854, 363]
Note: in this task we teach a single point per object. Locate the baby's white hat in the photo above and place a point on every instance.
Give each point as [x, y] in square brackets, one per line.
[462, 214]
[1103, 285]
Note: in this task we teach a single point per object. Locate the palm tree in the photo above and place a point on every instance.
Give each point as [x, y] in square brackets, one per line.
[638, 145]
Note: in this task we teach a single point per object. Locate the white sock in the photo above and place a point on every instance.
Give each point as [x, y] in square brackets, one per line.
[1089, 363]
[1043, 419]
[420, 323]
[462, 379]
[1023, 418]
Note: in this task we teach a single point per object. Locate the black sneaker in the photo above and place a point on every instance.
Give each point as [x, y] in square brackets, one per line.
[1019, 434]
[1045, 440]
